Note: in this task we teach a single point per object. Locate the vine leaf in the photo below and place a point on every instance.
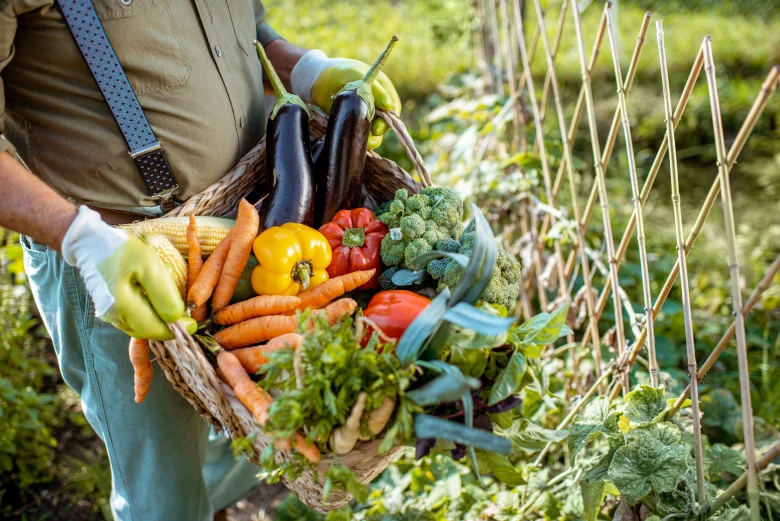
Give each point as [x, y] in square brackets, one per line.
[598, 417]
[654, 459]
[537, 332]
[646, 405]
[592, 498]
[525, 435]
[724, 459]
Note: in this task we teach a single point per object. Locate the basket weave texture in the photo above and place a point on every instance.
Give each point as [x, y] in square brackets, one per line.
[192, 375]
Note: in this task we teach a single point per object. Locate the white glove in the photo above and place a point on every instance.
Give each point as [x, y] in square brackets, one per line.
[307, 70]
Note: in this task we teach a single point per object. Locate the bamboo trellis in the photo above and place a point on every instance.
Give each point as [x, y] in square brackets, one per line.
[522, 86]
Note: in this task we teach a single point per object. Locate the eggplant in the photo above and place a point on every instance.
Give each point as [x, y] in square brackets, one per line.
[289, 179]
[340, 186]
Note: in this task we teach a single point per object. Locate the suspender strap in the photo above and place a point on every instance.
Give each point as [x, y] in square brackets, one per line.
[144, 148]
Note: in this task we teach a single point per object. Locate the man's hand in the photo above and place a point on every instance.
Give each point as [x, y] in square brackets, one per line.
[334, 78]
[129, 284]
[317, 79]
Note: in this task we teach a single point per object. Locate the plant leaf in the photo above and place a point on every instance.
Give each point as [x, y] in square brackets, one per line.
[407, 277]
[509, 380]
[598, 416]
[543, 329]
[654, 459]
[526, 435]
[412, 341]
[724, 459]
[447, 388]
[471, 317]
[592, 497]
[426, 426]
[646, 405]
[503, 470]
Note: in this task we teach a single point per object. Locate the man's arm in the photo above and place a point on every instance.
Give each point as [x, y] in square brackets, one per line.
[29, 206]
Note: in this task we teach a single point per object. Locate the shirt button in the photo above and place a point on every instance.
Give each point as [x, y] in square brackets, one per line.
[241, 122]
[125, 2]
[218, 51]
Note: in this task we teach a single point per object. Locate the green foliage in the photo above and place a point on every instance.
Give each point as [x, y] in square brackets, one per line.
[89, 479]
[27, 412]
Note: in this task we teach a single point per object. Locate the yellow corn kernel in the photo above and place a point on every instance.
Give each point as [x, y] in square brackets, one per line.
[170, 255]
[211, 230]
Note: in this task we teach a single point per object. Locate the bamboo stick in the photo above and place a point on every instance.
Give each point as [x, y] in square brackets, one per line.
[640, 227]
[554, 52]
[735, 487]
[684, 289]
[602, 184]
[594, 332]
[762, 286]
[651, 176]
[736, 292]
[767, 88]
[498, 60]
[518, 124]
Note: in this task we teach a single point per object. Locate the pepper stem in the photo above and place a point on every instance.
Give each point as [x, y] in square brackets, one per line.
[363, 86]
[301, 273]
[353, 237]
[209, 343]
[282, 96]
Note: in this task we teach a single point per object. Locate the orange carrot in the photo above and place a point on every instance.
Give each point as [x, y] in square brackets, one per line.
[246, 227]
[258, 402]
[194, 265]
[254, 398]
[201, 289]
[254, 357]
[142, 367]
[256, 307]
[319, 296]
[256, 330]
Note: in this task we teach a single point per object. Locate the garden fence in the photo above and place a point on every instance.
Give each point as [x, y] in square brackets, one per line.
[505, 57]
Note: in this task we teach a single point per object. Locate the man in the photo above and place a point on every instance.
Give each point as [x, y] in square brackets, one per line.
[194, 70]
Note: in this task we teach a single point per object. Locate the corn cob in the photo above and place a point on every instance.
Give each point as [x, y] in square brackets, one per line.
[211, 230]
[172, 258]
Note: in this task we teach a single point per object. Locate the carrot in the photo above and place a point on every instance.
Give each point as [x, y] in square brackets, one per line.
[256, 307]
[319, 296]
[254, 357]
[260, 329]
[201, 289]
[142, 367]
[254, 398]
[246, 227]
[257, 401]
[194, 265]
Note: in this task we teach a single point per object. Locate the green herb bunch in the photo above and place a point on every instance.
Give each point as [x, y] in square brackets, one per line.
[335, 369]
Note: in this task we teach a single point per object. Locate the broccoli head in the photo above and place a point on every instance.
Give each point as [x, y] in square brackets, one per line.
[418, 222]
[448, 245]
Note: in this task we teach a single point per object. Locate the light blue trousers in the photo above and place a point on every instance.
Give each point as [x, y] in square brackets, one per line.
[165, 463]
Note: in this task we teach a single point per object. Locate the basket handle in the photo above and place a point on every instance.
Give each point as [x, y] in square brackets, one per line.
[401, 132]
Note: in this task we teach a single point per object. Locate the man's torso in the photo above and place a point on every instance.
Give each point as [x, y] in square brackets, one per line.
[195, 72]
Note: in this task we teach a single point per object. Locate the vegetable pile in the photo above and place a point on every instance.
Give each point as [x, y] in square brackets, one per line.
[393, 323]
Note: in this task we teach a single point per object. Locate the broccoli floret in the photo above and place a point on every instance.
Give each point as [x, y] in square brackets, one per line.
[433, 233]
[415, 248]
[392, 251]
[436, 268]
[415, 203]
[456, 231]
[382, 208]
[412, 227]
[401, 194]
[444, 215]
[438, 195]
[448, 245]
[452, 274]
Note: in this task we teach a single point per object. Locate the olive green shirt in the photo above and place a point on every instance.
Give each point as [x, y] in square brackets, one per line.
[191, 63]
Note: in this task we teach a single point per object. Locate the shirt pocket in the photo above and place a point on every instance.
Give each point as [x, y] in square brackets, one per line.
[147, 42]
[242, 16]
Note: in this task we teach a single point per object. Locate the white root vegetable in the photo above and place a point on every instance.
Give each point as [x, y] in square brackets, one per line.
[378, 418]
[343, 439]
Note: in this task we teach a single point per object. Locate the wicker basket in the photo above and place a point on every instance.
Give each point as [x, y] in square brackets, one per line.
[193, 376]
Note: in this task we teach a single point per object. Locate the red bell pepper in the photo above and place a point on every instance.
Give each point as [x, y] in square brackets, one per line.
[394, 310]
[355, 237]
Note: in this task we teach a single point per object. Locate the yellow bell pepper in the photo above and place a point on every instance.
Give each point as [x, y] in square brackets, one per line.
[292, 257]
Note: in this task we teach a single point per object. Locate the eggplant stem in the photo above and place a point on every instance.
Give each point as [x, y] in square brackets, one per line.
[363, 86]
[282, 96]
